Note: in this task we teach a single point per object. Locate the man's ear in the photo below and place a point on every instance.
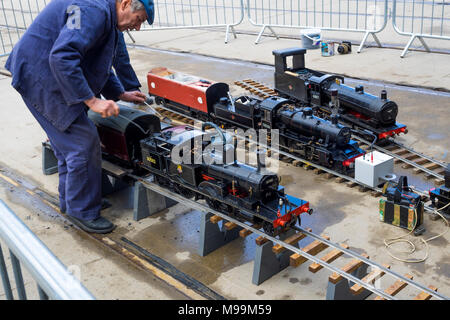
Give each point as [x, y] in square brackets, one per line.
[124, 4]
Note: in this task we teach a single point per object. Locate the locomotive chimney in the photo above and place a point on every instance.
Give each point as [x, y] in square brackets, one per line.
[383, 94]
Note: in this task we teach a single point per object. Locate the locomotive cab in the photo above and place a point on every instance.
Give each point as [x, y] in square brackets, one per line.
[241, 112]
[181, 151]
[293, 81]
[269, 108]
[120, 136]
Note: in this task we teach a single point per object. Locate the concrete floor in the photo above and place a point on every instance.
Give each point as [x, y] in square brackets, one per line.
[344, 214]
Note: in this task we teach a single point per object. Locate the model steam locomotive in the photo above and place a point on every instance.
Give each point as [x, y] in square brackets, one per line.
[325, 142]
[361, 110]
[135, 140]
[440, 197]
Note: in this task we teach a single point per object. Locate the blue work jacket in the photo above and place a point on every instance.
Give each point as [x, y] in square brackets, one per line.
[65, 57]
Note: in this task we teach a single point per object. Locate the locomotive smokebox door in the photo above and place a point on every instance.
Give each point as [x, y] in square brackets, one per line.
[120, 136]
[402, 208]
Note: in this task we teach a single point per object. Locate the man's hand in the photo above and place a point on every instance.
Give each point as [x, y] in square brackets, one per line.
[133, 96]
[106, 108]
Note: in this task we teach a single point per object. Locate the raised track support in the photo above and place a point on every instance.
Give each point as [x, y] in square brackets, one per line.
[148, 202]
[341, 289]
[267, 263]
[215, 233]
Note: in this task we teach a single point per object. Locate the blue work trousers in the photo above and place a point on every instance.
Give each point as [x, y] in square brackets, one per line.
[79, 164]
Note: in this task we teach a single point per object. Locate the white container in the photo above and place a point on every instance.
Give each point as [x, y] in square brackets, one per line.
[373, 171]
[311, 38]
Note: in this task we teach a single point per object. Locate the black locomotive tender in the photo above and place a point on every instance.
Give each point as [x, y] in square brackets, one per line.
[135, 140]
[360, 110]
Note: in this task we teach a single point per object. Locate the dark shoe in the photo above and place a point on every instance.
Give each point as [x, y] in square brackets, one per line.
[105, 205]
[98, 225]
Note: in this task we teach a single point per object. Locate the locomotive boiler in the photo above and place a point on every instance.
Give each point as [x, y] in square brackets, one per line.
[304, 122]
[356, 108]
[176, 157]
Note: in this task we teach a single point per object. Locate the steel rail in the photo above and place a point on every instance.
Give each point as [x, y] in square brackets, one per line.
[400, 145]
[410, 162]
[200, 207]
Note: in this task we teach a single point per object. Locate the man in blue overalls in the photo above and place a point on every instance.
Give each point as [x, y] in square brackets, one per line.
[60, 66]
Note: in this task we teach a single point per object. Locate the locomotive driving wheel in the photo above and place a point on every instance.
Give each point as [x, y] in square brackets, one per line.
[219, 206]
[185, 192]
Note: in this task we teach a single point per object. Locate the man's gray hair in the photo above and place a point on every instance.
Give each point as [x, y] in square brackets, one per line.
[136, 5]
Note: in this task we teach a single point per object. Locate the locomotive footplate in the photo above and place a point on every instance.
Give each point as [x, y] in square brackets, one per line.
[381, 132]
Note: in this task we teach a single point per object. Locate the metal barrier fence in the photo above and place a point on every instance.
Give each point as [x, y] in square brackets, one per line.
[414, 18]
[53, 279]
[421, 19]
[182, 14]
[366, 16]
[15, 17]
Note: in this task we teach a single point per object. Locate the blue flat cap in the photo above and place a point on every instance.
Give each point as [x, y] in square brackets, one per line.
[150, 9]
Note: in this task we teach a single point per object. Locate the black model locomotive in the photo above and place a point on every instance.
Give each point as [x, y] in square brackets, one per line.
[324, 142]
[355, 107]
[176, 157]
[320, 141]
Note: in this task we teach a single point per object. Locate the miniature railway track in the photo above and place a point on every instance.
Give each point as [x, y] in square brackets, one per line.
[298, 256]
[410, 158]
[308, 253]
[289, 158]
[258, 89]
